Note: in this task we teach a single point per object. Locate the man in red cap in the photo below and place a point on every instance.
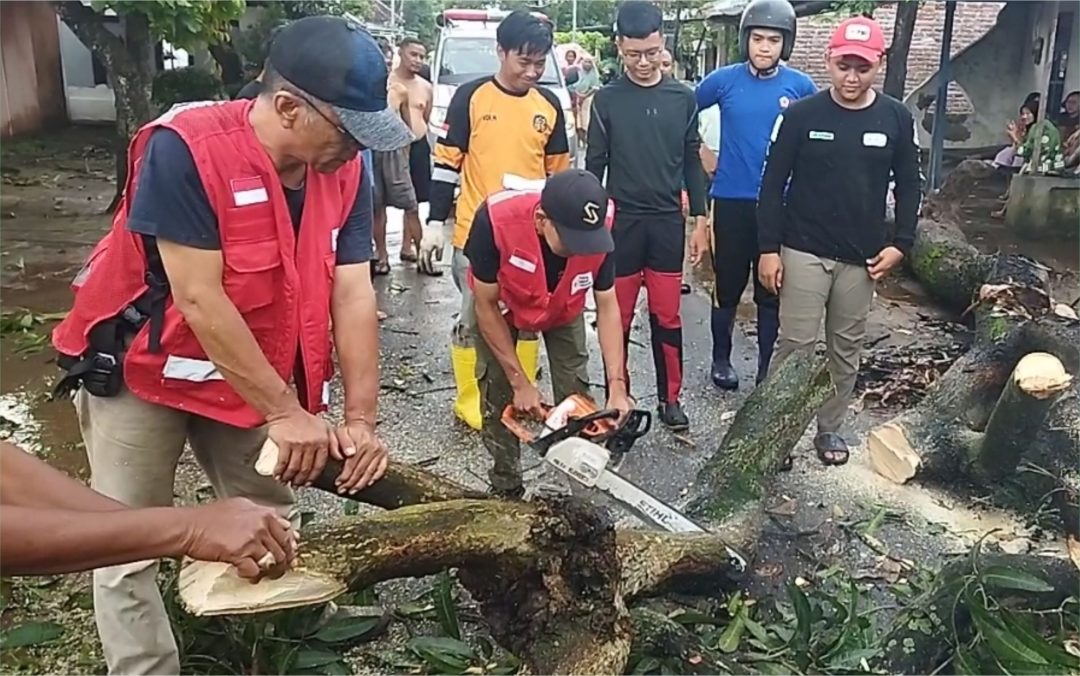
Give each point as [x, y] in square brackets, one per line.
[821, 212]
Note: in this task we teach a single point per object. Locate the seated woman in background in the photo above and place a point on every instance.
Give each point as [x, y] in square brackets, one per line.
[1041, 134]
[1009, 157]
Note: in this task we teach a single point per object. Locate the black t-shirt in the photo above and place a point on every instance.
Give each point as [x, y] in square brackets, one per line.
[835, 164]
[483, 257]
[171, 203]
[646, 141]
[250, 91]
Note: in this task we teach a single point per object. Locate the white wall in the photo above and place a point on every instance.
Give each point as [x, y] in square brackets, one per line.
[998, 71]
[86, 102]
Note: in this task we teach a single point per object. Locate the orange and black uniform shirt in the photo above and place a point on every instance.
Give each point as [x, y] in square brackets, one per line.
[494, 140]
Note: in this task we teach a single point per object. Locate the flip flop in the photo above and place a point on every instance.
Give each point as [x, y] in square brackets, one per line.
[831, 449]
[380, 268]
[408, 257]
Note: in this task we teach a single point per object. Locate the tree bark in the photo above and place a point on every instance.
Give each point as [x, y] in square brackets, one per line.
[923, 637]
[130, 65]
[551, 578]
[229, 62]
[897, 55]
[402, 484]
[977, 423]
[659, 636]
[765, 429]
[548, 576]
[1019, 414]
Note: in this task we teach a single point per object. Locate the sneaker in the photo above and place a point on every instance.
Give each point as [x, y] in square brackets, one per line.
[671, 414]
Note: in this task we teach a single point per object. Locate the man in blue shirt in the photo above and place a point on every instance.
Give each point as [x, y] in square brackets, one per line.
[750, 95]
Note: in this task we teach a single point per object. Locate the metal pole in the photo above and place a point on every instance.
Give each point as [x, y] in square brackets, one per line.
[1050, 8]
[573, 21]
[393, 16]
[937, 143]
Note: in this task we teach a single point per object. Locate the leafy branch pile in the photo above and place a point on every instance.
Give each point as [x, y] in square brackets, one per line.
[980, 614]
[26, 328]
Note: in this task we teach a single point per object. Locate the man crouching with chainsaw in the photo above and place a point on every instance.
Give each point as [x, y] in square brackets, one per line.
[533, 256]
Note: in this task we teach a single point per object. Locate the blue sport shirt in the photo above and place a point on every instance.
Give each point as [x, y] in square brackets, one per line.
[749, 107]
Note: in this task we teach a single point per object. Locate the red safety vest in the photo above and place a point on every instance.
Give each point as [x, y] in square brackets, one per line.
[280, 283]
[522, 277]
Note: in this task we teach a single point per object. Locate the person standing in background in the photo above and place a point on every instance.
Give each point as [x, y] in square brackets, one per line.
[418, 99]
[749, 95]
[644, 137]
[667, 63]
[823, 238]
[583, 90]
[391, 183]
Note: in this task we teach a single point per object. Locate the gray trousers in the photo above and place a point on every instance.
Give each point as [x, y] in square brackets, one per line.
[134, 447]
[813, 286]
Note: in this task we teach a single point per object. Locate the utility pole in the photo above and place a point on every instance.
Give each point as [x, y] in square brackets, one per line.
[573, 20]
[944, 75]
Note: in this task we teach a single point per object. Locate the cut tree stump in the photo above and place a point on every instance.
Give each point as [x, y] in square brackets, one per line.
[990, 416]
[1015, 421]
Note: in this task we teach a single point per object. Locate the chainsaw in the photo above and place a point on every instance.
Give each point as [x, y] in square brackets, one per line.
[582, 441]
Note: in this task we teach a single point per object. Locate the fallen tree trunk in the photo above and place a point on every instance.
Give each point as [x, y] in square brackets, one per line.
[924, 636]
[401, 485]
[550, 578]
[760, 438]
[986, 415]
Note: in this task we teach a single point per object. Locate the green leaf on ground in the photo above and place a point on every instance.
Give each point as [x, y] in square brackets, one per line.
[30, 634]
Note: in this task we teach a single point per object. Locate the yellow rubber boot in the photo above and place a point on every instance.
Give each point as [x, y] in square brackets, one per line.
[528, 353]
[467, 404]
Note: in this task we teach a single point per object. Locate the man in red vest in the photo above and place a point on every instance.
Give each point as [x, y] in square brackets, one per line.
[533, 256]
[204, 316]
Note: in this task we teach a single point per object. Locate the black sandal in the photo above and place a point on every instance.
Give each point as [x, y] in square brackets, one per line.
[831, 449]
[380, 268]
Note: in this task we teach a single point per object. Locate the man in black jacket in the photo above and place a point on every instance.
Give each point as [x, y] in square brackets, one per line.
[821, 213]
[644, 134]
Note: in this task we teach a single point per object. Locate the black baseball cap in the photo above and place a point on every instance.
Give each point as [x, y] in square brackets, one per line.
[576, 203]
[338, 62]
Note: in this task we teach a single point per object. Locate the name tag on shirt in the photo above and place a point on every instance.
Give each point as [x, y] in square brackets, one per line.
[522, 264]
[874, 139]
[247, 191]
[581, 282]
[821, 136]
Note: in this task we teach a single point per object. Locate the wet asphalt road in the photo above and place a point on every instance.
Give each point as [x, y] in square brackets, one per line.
[415, 403]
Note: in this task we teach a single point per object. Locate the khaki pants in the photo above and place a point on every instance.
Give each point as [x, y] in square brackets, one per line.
[569, 364]
[844, 293]
[134, 447]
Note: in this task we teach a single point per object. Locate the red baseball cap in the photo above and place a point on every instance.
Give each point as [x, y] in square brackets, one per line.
[858, 36]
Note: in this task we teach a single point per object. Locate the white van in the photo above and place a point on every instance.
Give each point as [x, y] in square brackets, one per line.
[467, 51]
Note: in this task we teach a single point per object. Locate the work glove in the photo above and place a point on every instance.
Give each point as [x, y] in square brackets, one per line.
[431, 247]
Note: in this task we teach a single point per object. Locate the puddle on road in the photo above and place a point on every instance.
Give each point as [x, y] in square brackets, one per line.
[27, 416]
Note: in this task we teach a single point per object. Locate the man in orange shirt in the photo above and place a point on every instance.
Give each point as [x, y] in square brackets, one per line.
[501, 132]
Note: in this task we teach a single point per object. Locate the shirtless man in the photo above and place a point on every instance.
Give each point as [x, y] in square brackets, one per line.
[392, 185]
[418, 92]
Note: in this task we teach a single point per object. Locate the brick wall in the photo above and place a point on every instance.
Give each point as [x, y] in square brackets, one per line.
[971, 22]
